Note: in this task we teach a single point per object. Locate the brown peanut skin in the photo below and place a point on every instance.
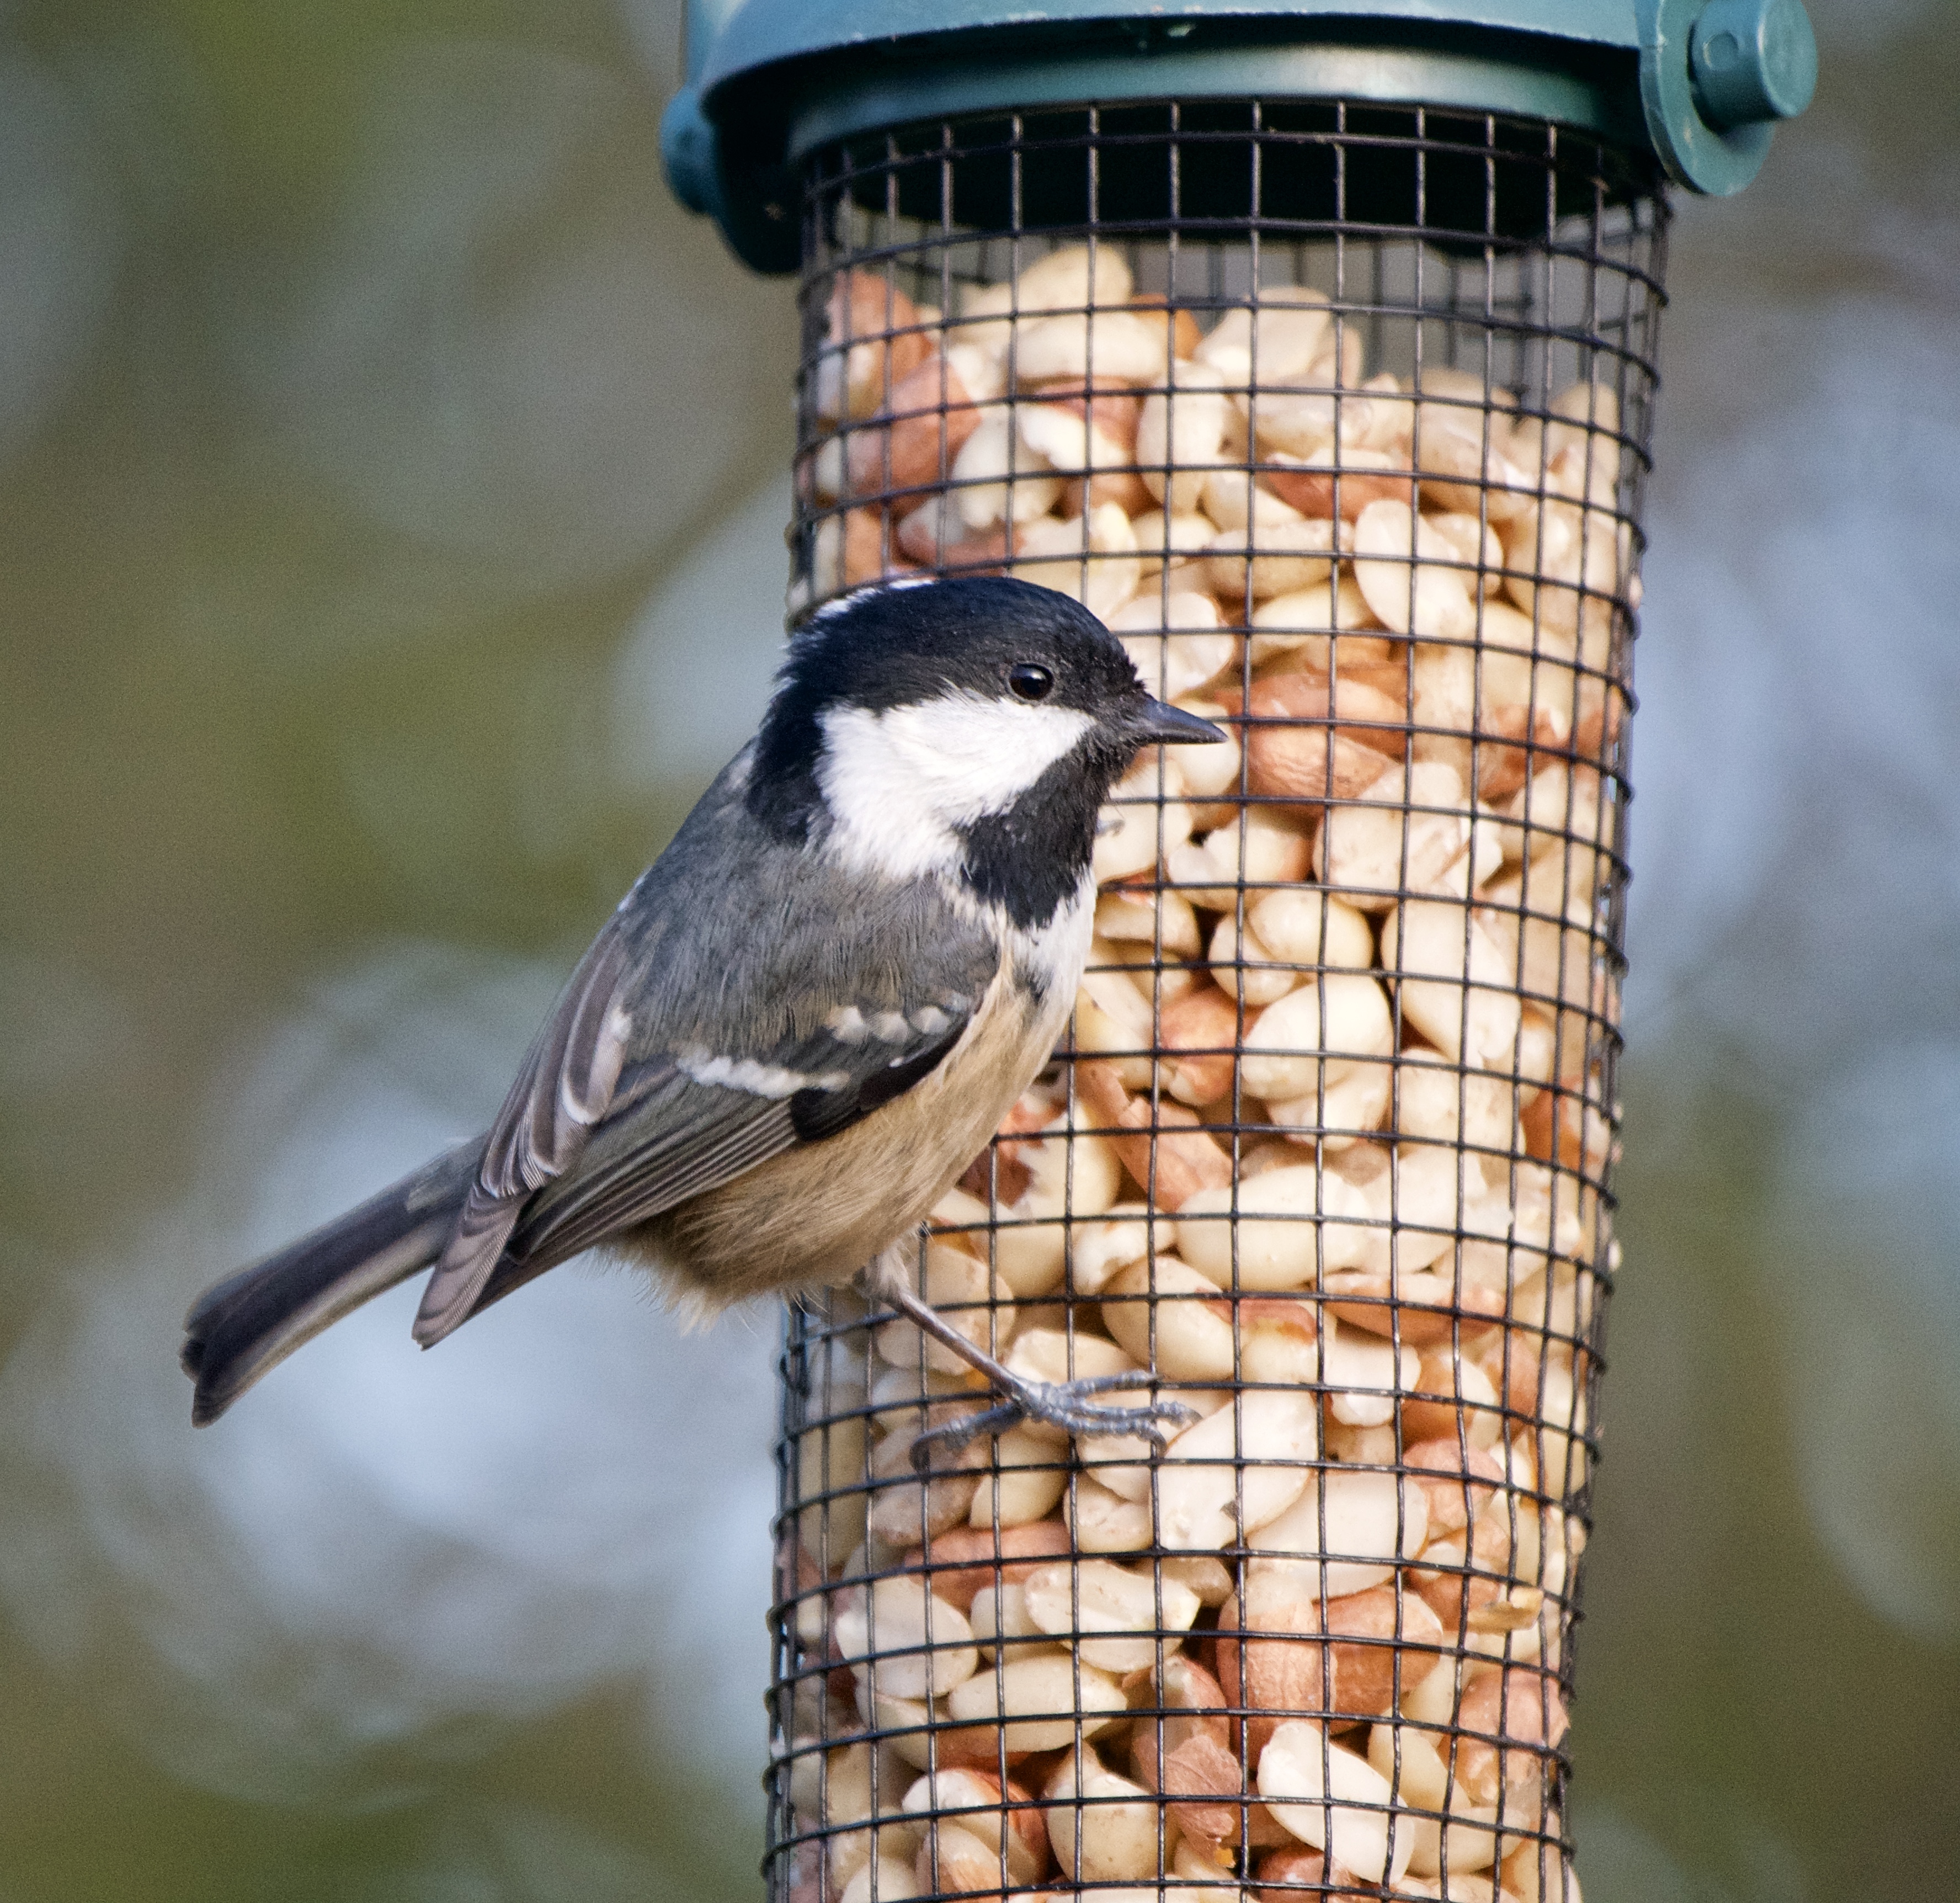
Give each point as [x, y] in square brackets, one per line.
[1311, 491]
[912, 439]
[1298, 1674]
[1171, 1166]
[965, 1558]
[1292, 751]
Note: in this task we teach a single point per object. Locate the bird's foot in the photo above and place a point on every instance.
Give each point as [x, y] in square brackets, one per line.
[1061, 1404]
[1065, 1404]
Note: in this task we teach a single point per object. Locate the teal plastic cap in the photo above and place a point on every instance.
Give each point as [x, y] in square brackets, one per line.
[1698, 84]
[690, 155]
[1716, 78]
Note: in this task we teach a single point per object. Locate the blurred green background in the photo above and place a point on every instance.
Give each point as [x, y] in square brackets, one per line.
[391, 482]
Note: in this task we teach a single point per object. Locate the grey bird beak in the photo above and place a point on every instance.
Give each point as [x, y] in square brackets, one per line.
[1158, 722]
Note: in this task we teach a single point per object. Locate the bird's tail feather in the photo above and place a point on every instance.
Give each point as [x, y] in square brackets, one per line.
[246, 1324]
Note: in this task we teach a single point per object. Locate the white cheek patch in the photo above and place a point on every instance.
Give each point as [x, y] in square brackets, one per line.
[899, 783]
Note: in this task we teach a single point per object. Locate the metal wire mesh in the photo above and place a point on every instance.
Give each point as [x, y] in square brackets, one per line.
[1339, 417]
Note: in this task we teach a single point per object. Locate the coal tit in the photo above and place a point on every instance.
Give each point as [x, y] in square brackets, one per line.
[808, 1016]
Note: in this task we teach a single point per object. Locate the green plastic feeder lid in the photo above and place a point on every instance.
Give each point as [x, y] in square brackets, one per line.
[1699, 83]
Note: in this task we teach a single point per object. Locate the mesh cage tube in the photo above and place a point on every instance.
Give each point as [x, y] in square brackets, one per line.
[1339, 418]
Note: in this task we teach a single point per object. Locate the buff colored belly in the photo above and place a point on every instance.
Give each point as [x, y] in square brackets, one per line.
[818, 1213]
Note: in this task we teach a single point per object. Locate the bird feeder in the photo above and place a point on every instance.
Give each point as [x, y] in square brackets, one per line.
[1313, 347]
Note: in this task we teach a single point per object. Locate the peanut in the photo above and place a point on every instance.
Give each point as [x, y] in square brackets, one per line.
[1104, 1827]
[1258, 848]
[1170, 1164]
[1346, 1532]
[960, 1283]
[881, 1878]
[910, 1644]
[1318, 629]
[1287, 332]
[1263, 557]
[1333, 1799]
[1070, 1172]
[1034, 1704]
[1167, 1306]
[996, 479]
[860, 1784]
[851, 377]
[1361, 477]
[1002, 1817]
[1026, 1485]
[1170, 541]
[1279, 1230]
[1078, 1601]
[1294, 750]
[1294, 1651]
[1317, 1033]
[1174, 642]
[915, 436]
[1181, 435]
[1092, 559]
[1235, 1470]
[1411, 574]
[960, 1561]
[1403, 831]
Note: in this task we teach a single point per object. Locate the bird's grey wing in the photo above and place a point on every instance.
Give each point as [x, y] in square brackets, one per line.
[684, 1125]
[757, 1008]
[565, 1086]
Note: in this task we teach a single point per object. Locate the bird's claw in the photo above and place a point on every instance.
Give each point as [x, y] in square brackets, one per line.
[1060, 1403]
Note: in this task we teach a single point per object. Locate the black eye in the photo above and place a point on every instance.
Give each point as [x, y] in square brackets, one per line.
[1030, 681]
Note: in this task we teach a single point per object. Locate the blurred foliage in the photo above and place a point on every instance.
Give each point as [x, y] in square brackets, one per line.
[360, 386]
[367, 382]
[1737, 1700]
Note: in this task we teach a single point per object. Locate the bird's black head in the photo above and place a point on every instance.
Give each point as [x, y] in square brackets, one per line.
[975, 725]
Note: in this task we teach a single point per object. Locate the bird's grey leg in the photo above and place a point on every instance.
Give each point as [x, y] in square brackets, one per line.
[1062, 1404]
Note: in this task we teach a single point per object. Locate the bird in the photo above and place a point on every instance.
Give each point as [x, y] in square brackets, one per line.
[805, 1020]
